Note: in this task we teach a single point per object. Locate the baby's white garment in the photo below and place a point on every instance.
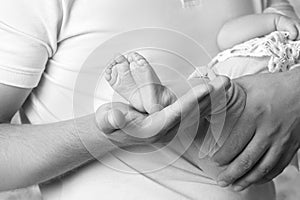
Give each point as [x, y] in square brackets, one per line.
[283, 54]
[271, 53]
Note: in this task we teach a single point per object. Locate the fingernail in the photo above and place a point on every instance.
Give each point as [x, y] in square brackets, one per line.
[223, 183]
[237, 188]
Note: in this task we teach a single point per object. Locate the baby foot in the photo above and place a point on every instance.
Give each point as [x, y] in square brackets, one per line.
[154, 95]
[119, 76]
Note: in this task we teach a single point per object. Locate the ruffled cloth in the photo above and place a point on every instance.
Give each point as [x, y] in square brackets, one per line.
[283, 53]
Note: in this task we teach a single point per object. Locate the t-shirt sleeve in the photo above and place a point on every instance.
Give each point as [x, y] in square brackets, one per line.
[28, 38]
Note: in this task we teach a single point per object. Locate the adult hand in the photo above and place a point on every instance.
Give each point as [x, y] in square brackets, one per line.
[127, 126]
[262, 141]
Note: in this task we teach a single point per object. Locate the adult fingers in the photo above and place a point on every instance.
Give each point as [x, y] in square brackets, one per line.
[223, 117]
[285, 159]
[184, 105]
[298, 29]
[262, 168]
[245, 161]
[217, 98]
[109, 119]
[194, 100]
[240, 136]
[161, 122]
[198, 96]
[220, 84]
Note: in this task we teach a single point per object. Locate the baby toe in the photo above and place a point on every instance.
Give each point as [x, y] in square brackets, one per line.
[130, 57]
[142, 62]
[121, 59]
[111, 64]
[108, 72]
[112, 77]
[138, 56]
[122, 64]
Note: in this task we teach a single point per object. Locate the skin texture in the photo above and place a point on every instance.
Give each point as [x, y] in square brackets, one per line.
[264, 139]
[252, 26]
[135, 80]
[46, 160]
[14, 136]
[162, 121]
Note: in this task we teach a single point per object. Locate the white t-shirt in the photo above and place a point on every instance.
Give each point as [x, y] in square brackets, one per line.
[46, 44]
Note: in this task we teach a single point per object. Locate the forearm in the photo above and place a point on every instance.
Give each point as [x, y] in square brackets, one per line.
[245, 28]
[31, 154]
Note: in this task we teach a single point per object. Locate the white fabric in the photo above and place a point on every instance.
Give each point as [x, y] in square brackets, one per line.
[27, 41]
[283, 53]
[47, 42]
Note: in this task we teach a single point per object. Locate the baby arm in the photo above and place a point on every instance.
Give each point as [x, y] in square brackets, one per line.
[248, 27]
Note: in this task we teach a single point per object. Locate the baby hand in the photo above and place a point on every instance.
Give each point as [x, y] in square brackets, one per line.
[283, 23]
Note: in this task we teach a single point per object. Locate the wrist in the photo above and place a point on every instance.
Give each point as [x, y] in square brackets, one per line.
[93, 141]
[109, 124]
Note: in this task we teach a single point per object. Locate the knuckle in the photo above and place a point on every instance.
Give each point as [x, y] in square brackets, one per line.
[264, 170]
[245, 163]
